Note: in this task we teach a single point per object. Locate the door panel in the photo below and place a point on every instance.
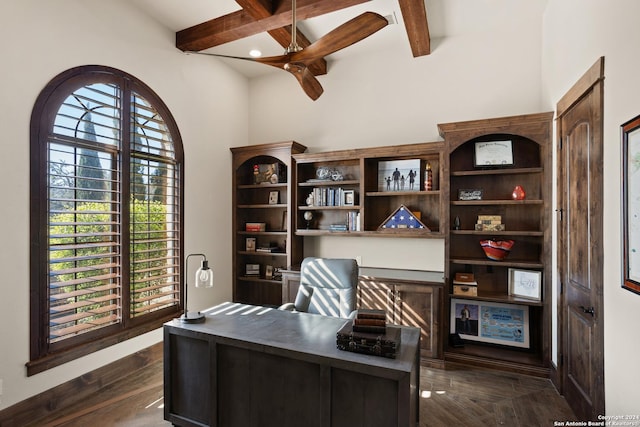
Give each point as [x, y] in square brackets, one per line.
[580, 250]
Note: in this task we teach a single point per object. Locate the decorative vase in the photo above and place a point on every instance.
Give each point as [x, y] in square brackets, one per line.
[518, 193]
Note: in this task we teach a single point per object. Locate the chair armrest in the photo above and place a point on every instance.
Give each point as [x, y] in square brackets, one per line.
[288, 306]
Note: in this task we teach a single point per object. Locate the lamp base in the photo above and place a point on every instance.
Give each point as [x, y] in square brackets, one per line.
[190, 317]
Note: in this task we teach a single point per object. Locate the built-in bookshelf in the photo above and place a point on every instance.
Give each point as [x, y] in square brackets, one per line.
[263, 241]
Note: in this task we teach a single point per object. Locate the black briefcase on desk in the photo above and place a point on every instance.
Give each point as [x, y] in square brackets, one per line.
[378, 344]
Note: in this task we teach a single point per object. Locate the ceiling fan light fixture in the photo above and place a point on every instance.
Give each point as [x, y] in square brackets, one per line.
[255, 53]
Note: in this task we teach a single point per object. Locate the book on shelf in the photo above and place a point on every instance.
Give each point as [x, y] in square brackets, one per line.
[255, 226]
[267, 249]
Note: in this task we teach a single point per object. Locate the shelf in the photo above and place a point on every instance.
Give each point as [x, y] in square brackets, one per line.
[264, 185]
[401, 193]
[498, 297]
[496, 202]
[506, 263]
[263, 206]
[264, 254]
[328, 183]
[505, 171]
[499, 233]
[320, 208]
[263, 233]
[414, 233]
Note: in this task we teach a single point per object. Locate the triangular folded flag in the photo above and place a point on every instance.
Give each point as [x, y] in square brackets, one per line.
[402, 218]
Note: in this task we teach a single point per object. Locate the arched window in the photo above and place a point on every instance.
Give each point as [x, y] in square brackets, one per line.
[106, 205]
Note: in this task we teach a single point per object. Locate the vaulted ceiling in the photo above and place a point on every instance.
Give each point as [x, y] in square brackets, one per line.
[274, 17]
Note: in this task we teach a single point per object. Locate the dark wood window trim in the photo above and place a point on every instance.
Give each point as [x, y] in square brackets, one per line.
[127, 321]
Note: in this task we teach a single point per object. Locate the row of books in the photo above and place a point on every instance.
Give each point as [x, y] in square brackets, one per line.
[332, 196]
[352, 223]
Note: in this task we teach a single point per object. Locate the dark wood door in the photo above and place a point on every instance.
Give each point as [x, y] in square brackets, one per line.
[580, 196]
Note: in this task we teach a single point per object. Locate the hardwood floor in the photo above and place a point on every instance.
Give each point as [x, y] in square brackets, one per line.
[455, 396]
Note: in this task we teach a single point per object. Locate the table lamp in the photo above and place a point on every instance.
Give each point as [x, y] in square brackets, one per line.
[204, 279]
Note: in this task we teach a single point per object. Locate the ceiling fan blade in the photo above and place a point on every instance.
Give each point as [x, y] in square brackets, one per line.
[307, 80]
[359, 28]
[275, 61]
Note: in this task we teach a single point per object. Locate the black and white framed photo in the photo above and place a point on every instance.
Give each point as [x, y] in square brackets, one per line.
[525, 283]
[493, 154]
[349, 197]
[274, 197]
[399, 175]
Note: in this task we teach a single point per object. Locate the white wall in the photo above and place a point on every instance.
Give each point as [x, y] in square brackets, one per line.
[576, 34]
[40, 39]
[388, 97]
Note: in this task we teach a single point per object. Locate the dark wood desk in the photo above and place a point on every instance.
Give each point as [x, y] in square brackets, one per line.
[255, 366]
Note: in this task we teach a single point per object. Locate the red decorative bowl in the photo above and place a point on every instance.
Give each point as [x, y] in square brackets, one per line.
[496, 250]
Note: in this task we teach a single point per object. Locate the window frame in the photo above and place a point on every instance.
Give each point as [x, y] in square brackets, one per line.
[43, 116]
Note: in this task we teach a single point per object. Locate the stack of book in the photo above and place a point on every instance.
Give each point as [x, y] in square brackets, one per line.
[370, 321]
[368, 333]
[465, 284]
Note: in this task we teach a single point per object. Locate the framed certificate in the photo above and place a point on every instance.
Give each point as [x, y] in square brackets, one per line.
[525, 283]
[493, 154]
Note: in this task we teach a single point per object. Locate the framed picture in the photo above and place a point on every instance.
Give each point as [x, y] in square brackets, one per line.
[266, 173]
[493, 153]
[495, 323]
[399, 175]
[268, 272]
[470, 194]
[349, 197]
[252, 269]
[274, 197]
[631, 204]
[525, 283]
[250, 244]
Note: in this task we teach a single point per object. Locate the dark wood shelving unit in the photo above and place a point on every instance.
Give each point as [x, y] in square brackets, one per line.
[527, 222]
[251, 204]
[359, 169]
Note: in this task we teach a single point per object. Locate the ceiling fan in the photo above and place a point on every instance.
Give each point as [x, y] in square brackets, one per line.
[296, 59]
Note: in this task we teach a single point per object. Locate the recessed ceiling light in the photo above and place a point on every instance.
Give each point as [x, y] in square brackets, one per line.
[255, 53]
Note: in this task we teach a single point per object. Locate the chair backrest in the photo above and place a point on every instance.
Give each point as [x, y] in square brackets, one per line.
[327, 286]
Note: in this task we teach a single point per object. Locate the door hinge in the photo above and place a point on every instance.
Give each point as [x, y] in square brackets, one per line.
[560, 213]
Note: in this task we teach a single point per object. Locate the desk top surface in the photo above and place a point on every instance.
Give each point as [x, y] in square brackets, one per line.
[307, 336]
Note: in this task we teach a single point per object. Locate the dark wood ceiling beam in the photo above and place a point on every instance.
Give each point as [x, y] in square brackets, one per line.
[414, 14]
[241, 24]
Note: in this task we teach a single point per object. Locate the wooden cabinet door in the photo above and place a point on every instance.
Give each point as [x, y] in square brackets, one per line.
[376, 295]
[418, 306]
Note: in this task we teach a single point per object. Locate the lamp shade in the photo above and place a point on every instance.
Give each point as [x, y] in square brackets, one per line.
[204, 276]
[204, 279]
